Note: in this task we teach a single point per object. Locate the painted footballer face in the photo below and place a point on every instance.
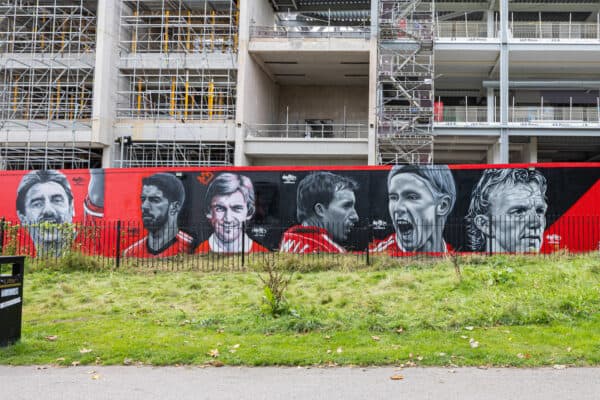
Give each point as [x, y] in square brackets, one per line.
[155, 208]
[413, 209]
[518, 218]
[226, 215]
[46, 202]
[340, 216]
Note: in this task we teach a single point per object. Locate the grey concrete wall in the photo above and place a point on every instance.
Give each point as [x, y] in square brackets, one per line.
[323, 102]
[260, 95]
[261, 12]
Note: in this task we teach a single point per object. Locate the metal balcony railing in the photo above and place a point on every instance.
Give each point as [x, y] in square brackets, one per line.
[461, 114]
[463, 30]
[556, 31]
[549, 114]
[522, 115]
[310, 31]
[308, 131]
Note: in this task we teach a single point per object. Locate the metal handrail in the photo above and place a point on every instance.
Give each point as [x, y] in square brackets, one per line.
[309, 31]
[309, 131]
[556, 30]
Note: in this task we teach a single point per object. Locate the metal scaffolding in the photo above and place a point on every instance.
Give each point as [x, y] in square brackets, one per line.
[179, 26]
[46, 80]
[405, 82]
[44, 156]
[179, 94]
[172, 154]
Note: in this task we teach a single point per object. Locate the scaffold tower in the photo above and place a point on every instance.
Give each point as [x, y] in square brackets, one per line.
[405, 82]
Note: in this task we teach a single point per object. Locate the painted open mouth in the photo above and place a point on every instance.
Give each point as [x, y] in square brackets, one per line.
[404, 226]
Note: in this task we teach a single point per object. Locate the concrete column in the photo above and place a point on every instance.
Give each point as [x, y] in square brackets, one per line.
[104, 102]
[107, 157]
[493, 153]
[504, 81]
[373, 52]
[490, 23]
[530, 151]
[491, 106]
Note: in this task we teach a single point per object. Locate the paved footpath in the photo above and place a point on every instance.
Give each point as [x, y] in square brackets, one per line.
[181, 383]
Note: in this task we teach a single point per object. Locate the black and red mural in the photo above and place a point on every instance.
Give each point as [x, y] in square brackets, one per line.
[400, 210]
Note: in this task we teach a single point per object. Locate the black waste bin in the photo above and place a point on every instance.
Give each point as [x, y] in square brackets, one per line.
[11, 298]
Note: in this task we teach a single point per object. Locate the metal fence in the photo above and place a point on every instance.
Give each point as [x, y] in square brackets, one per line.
[231, 246]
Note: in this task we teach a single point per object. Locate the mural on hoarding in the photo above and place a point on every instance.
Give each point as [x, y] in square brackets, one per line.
[396, 210]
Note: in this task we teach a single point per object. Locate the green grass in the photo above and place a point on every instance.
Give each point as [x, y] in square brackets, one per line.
[523, 311]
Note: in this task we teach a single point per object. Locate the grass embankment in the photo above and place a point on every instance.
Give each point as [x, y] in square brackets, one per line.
[516, 311]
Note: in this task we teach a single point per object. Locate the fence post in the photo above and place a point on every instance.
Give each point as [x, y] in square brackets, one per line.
[118, 247]
[243, 244]
[489, 238]
[369, 239]
[2, 235]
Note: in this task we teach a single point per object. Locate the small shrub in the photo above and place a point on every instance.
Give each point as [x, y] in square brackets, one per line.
[275, 284]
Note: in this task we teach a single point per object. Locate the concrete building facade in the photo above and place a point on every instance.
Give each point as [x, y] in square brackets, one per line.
[134, 83]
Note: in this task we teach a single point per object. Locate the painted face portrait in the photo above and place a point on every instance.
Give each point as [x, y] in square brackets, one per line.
[226, 215]
[413, 209]
[46, 202]
[340, 216]
[518, 218]
[155, 208]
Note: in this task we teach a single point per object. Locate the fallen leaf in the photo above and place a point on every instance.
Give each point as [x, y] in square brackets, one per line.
[520, 355]
[214, 353]
[473, 343]
[236, 346]
[469, 328]
[221, 330]
[559, 366]
[95, 377]
[339, 350]
[127, 361]
[400, 330]
[85, 351]
[464, 337]
[569, 349]
[327, 337]
[75, 363]
[442, 354]
[51, 338]
[217, 363]
[410, 355]
[376, 338]
[60, 359]
[397, 377]
[420, 358]
[91, 372]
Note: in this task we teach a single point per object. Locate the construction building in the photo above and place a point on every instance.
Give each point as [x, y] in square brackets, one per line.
[134, 83]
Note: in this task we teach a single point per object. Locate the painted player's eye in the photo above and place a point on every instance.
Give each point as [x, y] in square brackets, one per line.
[238, 209]
[518, 211]
[37, 203]
[58, 199]
[540, 210]
[412, 196]
[393, 197]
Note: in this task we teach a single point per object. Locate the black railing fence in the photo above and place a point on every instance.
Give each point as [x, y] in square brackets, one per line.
[229, 245]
